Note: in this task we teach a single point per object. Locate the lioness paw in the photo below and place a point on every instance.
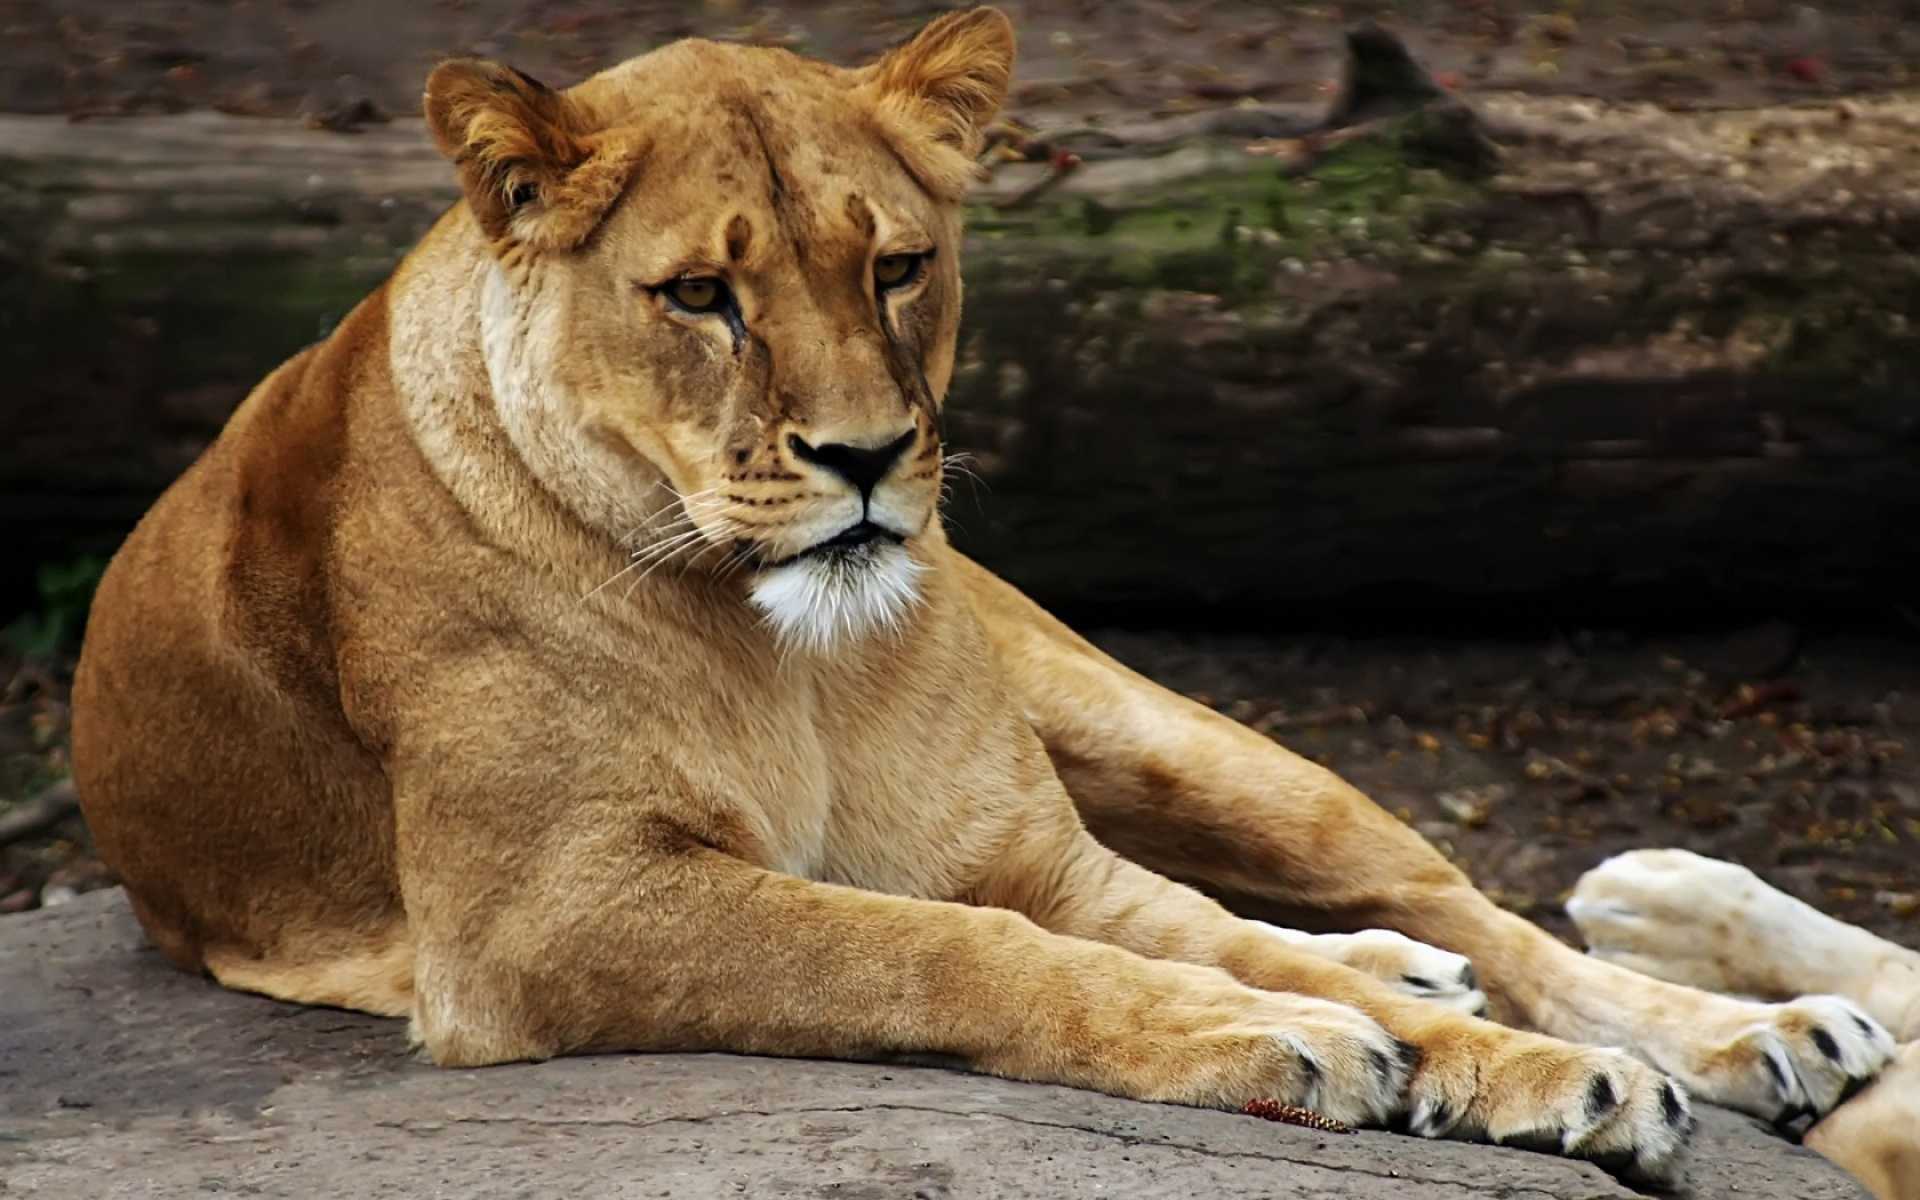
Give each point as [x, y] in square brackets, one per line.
[1783, 1061]
[1318, 1055]
[1349, 1067]
[1403, 964]
[1531, 1092]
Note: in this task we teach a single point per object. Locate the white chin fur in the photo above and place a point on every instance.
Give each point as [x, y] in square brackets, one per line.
[825, 600]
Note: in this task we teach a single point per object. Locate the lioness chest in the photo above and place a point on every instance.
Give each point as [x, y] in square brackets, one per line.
[897, 769]
[896, 763]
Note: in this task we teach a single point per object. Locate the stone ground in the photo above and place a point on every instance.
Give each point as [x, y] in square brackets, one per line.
[122, 1078]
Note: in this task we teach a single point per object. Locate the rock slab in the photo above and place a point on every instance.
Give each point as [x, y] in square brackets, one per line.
[122, 1078]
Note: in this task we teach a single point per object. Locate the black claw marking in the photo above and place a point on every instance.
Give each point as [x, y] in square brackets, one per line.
[1470, 978]
[1790, 1114]
[1866, 1026]
[1600, 1097]
[1382, 1065]
[1419, 981]
[1827, 1045]
[1852, 1088]
[1310, 1069]
[1442, 1118]
[1615, 1162]
[1670, 1105]
[1779, 1073]
[1408, 1053]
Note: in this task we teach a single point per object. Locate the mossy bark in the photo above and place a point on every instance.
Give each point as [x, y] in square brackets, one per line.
[1643, 348]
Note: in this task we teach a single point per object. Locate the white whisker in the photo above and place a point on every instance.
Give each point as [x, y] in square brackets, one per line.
[654, 554]
[739, 557]
[957, 464]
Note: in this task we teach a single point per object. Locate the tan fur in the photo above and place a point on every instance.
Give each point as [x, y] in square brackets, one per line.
[435, 687]
[1876, 1135]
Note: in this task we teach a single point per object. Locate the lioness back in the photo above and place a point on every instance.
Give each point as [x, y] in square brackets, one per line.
[252, 829]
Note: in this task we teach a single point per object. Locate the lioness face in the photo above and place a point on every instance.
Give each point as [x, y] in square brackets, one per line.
[725, 292]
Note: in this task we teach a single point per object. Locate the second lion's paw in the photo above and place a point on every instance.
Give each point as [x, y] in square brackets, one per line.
[1403, 964]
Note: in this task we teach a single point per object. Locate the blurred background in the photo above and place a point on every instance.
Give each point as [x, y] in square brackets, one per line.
[1515, 407]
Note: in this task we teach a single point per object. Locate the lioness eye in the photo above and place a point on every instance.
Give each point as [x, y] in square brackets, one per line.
[697, 295]
[897, 270]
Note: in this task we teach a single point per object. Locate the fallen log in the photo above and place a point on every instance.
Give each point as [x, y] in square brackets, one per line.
[1542, 347]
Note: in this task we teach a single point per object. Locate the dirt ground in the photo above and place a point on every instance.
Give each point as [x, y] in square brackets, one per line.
[1527, 760]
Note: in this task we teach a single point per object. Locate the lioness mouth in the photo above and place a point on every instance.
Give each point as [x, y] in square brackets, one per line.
[865, 533]
[852, 546]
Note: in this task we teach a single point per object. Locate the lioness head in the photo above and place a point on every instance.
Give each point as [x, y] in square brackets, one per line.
[720, 309]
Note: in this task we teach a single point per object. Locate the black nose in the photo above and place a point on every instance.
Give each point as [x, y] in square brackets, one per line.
[861, 466]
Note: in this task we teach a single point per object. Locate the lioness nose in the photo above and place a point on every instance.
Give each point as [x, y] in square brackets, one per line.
[861, 466]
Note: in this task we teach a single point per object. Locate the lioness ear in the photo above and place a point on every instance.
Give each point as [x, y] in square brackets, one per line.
[532, 171]
[950, 79]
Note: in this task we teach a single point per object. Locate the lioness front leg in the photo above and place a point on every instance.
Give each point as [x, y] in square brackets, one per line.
[1474, 1079]
[1198, 797]
[686, 947]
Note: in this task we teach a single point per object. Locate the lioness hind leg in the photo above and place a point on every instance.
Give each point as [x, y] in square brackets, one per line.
[1198, 797]
[379, 980]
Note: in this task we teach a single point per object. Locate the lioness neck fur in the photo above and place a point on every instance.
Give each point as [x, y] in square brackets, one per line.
[566, 655]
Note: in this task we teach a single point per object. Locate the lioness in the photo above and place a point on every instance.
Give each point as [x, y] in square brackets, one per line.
[567, 654]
